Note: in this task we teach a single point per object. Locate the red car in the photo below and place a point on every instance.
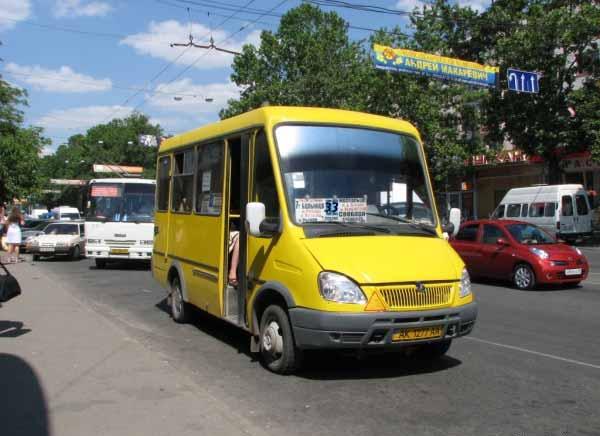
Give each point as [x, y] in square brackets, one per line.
[518, 251]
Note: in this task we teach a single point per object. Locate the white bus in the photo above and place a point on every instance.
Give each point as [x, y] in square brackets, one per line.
[119, 222]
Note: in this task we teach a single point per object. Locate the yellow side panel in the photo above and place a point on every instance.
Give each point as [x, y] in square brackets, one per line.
[195, 241]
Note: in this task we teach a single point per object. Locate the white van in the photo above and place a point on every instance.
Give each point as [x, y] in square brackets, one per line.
[65, 213]
[562, 210]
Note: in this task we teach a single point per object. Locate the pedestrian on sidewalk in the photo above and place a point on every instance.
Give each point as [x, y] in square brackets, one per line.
[13, 234]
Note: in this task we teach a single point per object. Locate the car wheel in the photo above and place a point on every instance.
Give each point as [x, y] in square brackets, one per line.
[434, 350]
[76, 253]
[277, 347]
[523, 276]
[100, 263]
[179, 308]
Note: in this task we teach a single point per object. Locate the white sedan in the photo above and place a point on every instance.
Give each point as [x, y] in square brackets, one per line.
[59, 239]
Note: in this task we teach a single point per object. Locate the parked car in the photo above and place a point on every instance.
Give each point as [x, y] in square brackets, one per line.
[518, 251]
[562, 210]
[31, 230]
[66, 238]
[65, 213]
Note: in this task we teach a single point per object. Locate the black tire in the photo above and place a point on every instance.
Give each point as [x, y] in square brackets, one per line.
[277, 347]
[76, 253]
[36, 257]
[523, 277]
[434, 350]
[179, 308]
[100, 263]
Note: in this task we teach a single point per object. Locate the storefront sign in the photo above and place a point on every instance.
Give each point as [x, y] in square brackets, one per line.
[579, 164]
[409, 61]
[503, 157]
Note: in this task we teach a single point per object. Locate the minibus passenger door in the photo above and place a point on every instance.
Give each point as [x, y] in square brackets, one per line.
[566, 223]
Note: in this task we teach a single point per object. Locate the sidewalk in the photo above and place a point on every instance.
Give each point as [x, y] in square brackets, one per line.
[67, 370]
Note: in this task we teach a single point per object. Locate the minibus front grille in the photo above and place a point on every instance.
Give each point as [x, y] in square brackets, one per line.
[408, 297]
[119, 243]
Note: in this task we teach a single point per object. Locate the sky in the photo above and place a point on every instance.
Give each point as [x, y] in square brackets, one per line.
[85, 62]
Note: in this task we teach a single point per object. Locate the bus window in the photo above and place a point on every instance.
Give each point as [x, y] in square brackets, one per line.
[549, 209]
[263, 189]
[164, 167]
[582, 208]
[536, 210]
[183, 182]
[499, 212]
[567, 205]
[524, 210]
[209, 181]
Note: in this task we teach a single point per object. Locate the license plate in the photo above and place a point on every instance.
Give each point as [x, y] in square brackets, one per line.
[119, 251]
[417, 333]
[46, 249]
[573, 272]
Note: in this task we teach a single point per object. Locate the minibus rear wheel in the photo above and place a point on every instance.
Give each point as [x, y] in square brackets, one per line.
[277, 348]
[179, 308]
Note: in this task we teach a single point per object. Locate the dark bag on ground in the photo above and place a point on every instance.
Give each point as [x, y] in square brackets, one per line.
[9, 286]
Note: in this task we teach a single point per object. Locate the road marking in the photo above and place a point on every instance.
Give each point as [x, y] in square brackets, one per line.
[537, 353]
[147, 291]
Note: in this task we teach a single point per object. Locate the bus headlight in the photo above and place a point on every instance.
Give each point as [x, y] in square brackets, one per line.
[94, 241]
[147, 242]
[465, 284]
[339, 288]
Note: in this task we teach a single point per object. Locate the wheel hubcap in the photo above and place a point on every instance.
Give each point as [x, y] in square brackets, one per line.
[522, 277]
[177, 300]
[272, 340]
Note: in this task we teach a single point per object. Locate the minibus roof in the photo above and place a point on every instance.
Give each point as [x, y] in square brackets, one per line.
[123, 180]
[272, 115]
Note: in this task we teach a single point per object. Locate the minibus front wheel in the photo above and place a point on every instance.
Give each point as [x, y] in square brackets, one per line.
[277, 347]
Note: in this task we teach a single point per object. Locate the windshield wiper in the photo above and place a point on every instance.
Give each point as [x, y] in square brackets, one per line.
[421, 226]
[359, 226]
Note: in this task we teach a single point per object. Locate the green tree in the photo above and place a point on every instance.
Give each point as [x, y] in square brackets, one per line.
[308, 61]
[552, 37]
[20, 147]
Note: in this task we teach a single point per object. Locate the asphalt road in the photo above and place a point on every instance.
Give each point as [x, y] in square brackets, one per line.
[531, 366]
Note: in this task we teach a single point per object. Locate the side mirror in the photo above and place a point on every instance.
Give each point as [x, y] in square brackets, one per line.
[454, 220]
[255, 215]
[448, 228]
[502, 242]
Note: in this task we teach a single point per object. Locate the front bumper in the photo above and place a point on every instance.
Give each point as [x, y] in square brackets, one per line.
[556, 274]
[318, 329]
[49, 251]
[106, 252]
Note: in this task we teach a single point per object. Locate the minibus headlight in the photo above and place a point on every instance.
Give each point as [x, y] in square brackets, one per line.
[93, 241]
[339, 288]
[465, 284]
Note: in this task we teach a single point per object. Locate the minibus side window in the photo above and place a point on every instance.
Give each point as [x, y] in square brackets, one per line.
[567, 205]
[209, 181]
[264, 189]
[536, 210]
[499, 212]
[524, 210]
[513, 210]
[549, 209]
[183, 182]
[164, 167]
[582, 208]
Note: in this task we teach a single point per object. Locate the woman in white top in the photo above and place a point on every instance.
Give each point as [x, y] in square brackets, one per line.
[13, 234]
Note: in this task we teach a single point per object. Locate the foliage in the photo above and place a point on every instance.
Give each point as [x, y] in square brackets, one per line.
[308, 61]
[115, 142]
[20, 147]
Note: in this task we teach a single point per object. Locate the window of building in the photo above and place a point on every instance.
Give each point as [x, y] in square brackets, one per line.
[468, 233]
[183, 182]
[566, 205]
[536, 210]
[164, 177]
[549, 209]
[263, 188]
[491, 234]
[513, 210]
[209, 181]
[582, 207]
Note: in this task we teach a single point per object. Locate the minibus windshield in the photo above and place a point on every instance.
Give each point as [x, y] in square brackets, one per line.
[121, 202]
[354, 176]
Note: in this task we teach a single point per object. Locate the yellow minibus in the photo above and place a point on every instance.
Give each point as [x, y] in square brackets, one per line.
[332, 217]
